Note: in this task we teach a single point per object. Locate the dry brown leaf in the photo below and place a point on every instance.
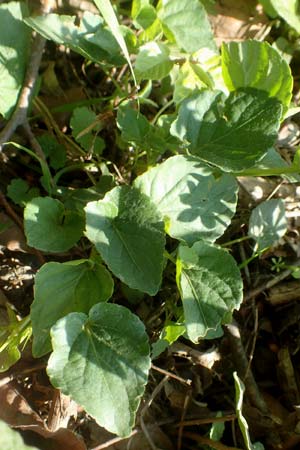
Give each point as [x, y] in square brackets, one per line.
[16, 411]
[239, 20]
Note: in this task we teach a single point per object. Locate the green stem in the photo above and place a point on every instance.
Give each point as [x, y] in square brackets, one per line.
[71, 169]
[169, 257]
[268, 172]
[249, 260]
[44, 166]
[162, 110]
[235, 241]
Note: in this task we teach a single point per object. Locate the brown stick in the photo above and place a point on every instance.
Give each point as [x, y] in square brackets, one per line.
[205, 440]
[263, 287]
[171, 375]
[206, 420]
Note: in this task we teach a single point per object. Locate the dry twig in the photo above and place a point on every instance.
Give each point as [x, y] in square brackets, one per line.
[265, 286]
[205, 440]
[171, 375]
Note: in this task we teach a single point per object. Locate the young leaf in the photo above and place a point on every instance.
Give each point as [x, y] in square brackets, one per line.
[146, 16]
[194, 204]
[133, 124]
[55, 151]
[50, 227]
[81, 121]
[91, 39]
[187, 20]
[102, 361]
[107, 11]
[257, 64]
[210, 285]
[153, 61]
[230, 133]
[128, 231]
[73, 287]
[20, 193]
[14, 46]
[190, 78]
[268, 223]
[12, 440]
[143, 14]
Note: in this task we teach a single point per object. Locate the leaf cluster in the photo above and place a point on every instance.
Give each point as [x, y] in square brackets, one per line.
[216, 116]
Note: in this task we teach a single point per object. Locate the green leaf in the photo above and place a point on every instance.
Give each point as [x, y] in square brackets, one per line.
[128, 232]
[210, 285]
[50, 227]
[90, 38]
[190, 78]
[194, 204]
[258, 65]
[268, 223]
[170, 333]
[20, 193]
[14, 46]
[102, 361]
[287, 9]
[73, 287]
[153, 61]
[133, 124]
[143, 13]
[107, 11]
[217, 429]
[53, 150]
[12, 440]
[83, 122]
[187, 20]
[230, 133]
[239, 397]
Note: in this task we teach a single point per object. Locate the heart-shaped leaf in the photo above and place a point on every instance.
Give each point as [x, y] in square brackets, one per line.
[128, 231]
[231, 133]
[210, 285]
[193, 202]
[74, 286]
[102, 362]
[50, 227]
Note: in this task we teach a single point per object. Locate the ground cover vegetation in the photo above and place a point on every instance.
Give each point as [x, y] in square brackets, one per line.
[144, 195]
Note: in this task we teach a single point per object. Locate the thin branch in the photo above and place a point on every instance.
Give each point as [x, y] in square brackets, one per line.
[171, 375]
[115, 440]
[206, 420]
[205, 440]
[265, 286]
[20, 113]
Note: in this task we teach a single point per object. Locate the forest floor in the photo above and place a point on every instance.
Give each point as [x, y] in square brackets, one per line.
[190, 394]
